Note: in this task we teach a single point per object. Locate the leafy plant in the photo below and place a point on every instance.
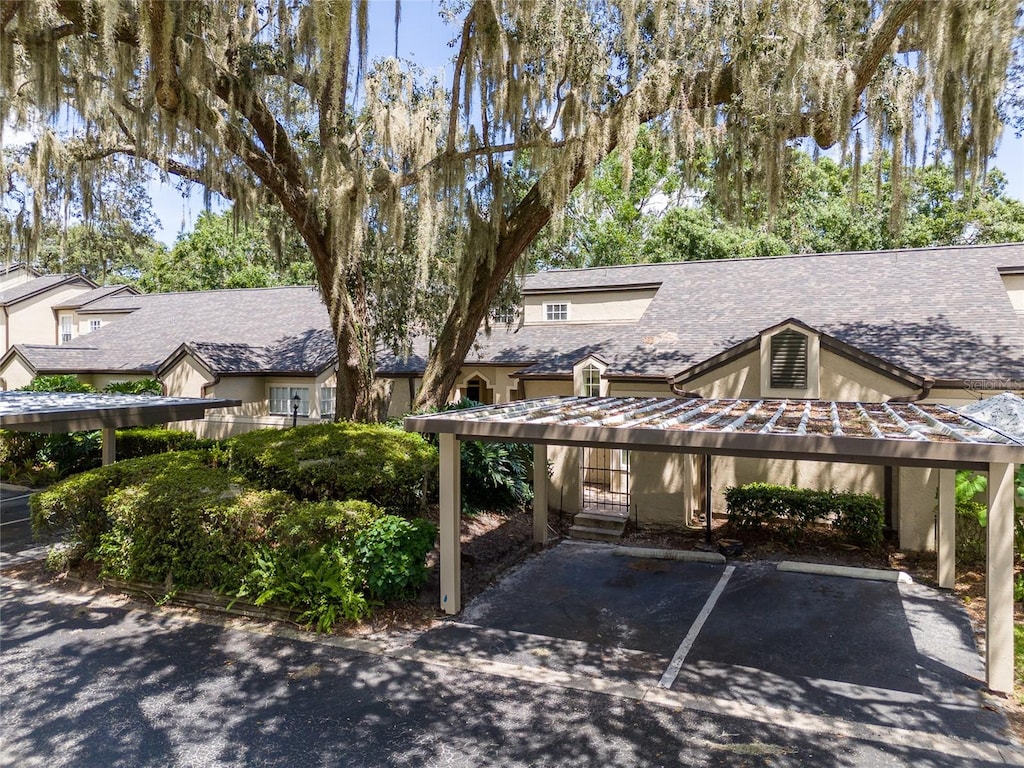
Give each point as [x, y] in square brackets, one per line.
[390, 553]
[858, 517]
[139, 387]
[63, 383]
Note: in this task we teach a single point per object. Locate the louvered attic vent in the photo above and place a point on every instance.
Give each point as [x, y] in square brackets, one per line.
[789, 360]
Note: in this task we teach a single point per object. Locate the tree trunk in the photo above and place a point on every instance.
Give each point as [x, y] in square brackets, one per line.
[468, 313]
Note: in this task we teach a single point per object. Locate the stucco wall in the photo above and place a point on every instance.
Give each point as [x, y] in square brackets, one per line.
[15, 374]
[590, 306]
[32, 321]
[497, 379]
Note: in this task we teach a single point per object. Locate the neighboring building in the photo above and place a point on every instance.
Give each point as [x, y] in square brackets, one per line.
[935, 324]
[262, 346]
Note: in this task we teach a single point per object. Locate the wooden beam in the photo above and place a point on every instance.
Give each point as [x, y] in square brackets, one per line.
[450, 515]
[999, 580]
[109, 450]
[540, 494]
[946, 540]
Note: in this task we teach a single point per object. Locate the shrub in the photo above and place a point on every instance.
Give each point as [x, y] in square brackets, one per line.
[139, 387]
[339, 461]
[64, 383]
[859, 517]
[148, 441]
[178, 519]
[390, 553]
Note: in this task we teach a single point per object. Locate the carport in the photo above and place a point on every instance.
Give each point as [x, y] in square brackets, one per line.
[890, 434]
[57, 412]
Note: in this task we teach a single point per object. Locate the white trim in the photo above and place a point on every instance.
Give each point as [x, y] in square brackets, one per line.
[813, 389]
[545, 306]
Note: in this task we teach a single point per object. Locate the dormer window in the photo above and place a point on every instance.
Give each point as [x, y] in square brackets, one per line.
[556, 311]
[591, 381]
[789, 360]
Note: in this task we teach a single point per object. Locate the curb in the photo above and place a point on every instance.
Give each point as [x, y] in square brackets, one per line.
[685, 555]
[845, 571]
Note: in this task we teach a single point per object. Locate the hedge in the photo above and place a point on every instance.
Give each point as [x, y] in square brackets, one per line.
[858, 517]
[344, 460]
[176, 519]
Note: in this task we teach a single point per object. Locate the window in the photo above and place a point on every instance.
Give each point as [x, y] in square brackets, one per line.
[789, 360]
[505, 315]
[478, 391]
[328, 397]
[559, 311]
[94, 325]
[281, 400]
[65, 328]
[591, 381]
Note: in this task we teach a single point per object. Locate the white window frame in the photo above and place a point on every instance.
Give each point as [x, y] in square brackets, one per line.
[556, 312]
[275, 399]
[591, 380]
[328, 396]
[95, 325]
[66, 333]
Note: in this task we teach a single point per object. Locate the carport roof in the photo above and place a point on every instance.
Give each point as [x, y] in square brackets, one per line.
[53, 412]
[907, 434]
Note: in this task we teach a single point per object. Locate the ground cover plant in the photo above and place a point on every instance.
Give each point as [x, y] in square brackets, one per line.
[184, 520]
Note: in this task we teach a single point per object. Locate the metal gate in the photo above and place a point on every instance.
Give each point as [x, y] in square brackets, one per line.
[604, 476]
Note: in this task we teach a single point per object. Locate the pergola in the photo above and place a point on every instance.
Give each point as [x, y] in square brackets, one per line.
[55, 412]
[890, 434]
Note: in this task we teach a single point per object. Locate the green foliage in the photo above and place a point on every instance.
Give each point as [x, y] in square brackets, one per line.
[390, 552]
[147, 441]
[178, 520]
[496, 477]
[345, 460]
[138, 387]
[858, 517]
[221, 252]
[321, 582]
[72, 452]
[63, 383]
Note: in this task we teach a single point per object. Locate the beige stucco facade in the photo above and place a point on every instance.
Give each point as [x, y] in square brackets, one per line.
[32, 320]
[612, 306]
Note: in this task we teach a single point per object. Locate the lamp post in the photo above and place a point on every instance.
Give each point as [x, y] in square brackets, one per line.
[295, 410]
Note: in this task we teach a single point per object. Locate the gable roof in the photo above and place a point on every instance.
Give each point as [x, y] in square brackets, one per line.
[938, 313]
[286, 326]
[79, 302]
[39, 285]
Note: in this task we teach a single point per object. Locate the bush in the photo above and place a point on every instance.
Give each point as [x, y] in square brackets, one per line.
[859, 517]
[64, 383]
[390, 553]
[148, 441]
[177, 519]
[138, 387]
[339, 461]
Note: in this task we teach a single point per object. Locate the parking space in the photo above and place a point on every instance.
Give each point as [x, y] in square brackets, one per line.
[881, 653]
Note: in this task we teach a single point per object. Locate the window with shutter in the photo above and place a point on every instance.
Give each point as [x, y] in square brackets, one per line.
[789, 360]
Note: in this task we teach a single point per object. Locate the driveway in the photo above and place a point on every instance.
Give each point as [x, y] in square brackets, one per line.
[561, 663]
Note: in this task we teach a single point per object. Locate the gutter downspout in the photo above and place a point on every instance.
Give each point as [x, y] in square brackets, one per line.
[922, 394]
[681, 392]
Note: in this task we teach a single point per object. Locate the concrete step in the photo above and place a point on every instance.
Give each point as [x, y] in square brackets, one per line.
[595, 534]
[594, 519]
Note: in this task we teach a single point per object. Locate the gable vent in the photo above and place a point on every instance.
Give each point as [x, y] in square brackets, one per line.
[789, 360]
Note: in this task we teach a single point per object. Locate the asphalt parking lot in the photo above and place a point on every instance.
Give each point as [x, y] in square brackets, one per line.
[880, 653]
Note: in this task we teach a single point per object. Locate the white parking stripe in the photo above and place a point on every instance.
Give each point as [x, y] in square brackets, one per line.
[19, 520]
[6, 499]
[684, 647]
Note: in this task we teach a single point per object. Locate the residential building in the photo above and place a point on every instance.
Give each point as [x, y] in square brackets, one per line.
[934, 325]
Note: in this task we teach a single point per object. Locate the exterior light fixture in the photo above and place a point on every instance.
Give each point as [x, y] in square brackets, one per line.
[296, 400]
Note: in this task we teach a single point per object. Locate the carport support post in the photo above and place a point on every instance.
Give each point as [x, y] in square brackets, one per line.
[999, 579]
[108, 439]
[540, 493]
[946, 543]
[450, 512]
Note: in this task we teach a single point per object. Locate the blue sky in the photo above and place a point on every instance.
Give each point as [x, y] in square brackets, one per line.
[422, 37]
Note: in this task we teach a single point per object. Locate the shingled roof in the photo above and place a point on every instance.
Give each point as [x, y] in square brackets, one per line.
[942, 313]
[281, 327]
[38, 285]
